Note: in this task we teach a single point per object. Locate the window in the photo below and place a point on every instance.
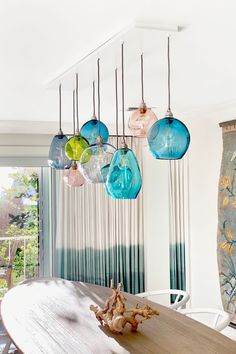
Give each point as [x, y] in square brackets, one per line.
[19, 225]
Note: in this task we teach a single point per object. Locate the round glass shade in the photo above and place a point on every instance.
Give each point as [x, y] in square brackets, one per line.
[57, 158]
[93, 159]
[73, 176]
[124, 179]
[168, 139]
[141, 120]
[92, 129]
[75, 146]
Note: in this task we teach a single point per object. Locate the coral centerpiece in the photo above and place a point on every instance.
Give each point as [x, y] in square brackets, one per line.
[115, 316]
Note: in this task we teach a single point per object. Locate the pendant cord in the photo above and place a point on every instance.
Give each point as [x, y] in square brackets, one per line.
[142, 84]
[60, 108]
[94, 104]
[98, 68]
[123, 90]
[77, 100]
[168, 60]
[117, 114]
[74, 112]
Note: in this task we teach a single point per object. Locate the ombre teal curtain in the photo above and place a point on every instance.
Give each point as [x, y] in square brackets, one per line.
[178, 222]
[97, 238]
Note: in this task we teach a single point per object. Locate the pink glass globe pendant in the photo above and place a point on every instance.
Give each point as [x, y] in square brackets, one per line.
[143, 117]
[73, 176]
[141, 121]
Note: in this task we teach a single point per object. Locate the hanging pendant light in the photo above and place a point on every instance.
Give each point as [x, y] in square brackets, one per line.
[57, 158]
[94, 127]
[168, 138]
[77, 143]
[73, 176]
[98, 155]
[124, 179]
[105, 169]
[143, 117]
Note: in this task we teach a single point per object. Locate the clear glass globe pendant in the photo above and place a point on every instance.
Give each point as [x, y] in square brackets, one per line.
[57, 158]
[73, 176]
[124, 179]
[168, 138]
[143, 117]
[94, 159]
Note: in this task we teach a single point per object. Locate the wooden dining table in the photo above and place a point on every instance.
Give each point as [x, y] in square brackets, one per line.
[52, 316]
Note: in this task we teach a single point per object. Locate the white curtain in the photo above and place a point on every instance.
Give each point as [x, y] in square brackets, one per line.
[179, 224]
[97, 237]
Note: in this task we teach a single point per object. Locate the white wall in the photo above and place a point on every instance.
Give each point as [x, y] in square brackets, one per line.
[205, 158]
[156, 221]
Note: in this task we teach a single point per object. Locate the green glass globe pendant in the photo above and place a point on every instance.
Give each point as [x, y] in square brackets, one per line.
[77, 143]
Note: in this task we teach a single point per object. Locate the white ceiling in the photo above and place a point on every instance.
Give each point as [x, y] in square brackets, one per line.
[39, 39]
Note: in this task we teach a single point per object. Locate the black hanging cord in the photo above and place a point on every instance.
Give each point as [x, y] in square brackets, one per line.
[74, 112]
[142, 84]
[123, 90]
[94, 104]
[60, 131]
[77, 101]
[116, 93]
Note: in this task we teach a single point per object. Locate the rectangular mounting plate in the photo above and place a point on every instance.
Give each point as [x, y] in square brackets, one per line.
[138, 37]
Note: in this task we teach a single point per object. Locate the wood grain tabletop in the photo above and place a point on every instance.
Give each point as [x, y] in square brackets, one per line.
[52, 316]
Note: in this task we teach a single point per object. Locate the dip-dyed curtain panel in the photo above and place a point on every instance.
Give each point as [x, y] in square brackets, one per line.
[178, 216]
[98, 238]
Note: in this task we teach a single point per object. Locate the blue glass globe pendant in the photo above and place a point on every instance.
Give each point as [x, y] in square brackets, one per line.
[124, 179]
[57, 158]
[168, 138]
[92, 129]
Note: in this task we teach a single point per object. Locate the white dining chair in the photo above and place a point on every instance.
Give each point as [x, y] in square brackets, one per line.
[214, 318]
[180, 300]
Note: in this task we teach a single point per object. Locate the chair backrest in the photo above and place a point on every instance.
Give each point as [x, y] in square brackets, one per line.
[181, 297]
[216, 319]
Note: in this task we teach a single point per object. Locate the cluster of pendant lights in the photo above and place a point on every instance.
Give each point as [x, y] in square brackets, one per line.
[87, 155]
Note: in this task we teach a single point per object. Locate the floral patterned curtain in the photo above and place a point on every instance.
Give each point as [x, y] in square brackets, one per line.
[227, 219]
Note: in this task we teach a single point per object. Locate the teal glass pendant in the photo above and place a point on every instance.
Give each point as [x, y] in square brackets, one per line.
[92, 129]
[124, 179]
[168, 139]
[57, 158]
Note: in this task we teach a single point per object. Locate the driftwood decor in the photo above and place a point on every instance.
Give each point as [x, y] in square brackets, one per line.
[115, 316]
